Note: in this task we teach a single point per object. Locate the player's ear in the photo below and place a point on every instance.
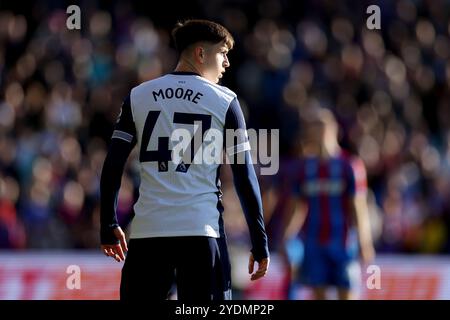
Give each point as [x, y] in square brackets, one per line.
[199, 53]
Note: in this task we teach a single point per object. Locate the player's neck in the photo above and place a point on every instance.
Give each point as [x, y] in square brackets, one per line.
[187, 66]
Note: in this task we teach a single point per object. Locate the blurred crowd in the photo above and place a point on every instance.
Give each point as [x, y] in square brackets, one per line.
[61, 91]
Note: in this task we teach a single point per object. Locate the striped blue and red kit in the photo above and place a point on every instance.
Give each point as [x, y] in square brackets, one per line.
[327, 187]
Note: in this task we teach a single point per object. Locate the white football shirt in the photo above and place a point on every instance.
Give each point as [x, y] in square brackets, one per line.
[175, 199]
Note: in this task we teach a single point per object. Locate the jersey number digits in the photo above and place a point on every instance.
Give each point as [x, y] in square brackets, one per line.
[163, 153]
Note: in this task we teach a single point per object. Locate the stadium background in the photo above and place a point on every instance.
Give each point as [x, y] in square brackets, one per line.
[61, 90]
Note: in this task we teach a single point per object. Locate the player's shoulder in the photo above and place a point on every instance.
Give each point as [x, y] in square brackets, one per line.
[226, 91]
[221, 91]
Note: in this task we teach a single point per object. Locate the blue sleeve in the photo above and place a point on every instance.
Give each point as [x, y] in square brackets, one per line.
[246, 182]
[122, 142]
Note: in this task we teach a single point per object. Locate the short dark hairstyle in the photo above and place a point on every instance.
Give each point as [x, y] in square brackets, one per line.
[191, 31]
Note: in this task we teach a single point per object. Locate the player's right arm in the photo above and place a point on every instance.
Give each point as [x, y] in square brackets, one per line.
[293, 217]
[123, 140]
[295, 206]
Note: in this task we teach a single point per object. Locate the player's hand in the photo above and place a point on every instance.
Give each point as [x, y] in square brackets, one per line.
[263, 266]
[116, 251]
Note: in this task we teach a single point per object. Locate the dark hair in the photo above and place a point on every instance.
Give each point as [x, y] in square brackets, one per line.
[189, 32]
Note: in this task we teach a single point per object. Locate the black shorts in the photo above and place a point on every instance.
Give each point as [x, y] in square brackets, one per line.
[199, 266]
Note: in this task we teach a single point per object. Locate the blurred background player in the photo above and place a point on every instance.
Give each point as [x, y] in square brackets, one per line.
[177, 232]
[328, 210]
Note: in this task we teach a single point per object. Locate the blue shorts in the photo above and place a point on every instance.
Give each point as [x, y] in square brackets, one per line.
[326, 265]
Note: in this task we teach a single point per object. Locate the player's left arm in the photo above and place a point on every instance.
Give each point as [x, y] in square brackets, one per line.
[248, 190]
[357, 190]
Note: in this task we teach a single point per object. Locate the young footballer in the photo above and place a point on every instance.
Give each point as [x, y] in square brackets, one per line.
[177, 232]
